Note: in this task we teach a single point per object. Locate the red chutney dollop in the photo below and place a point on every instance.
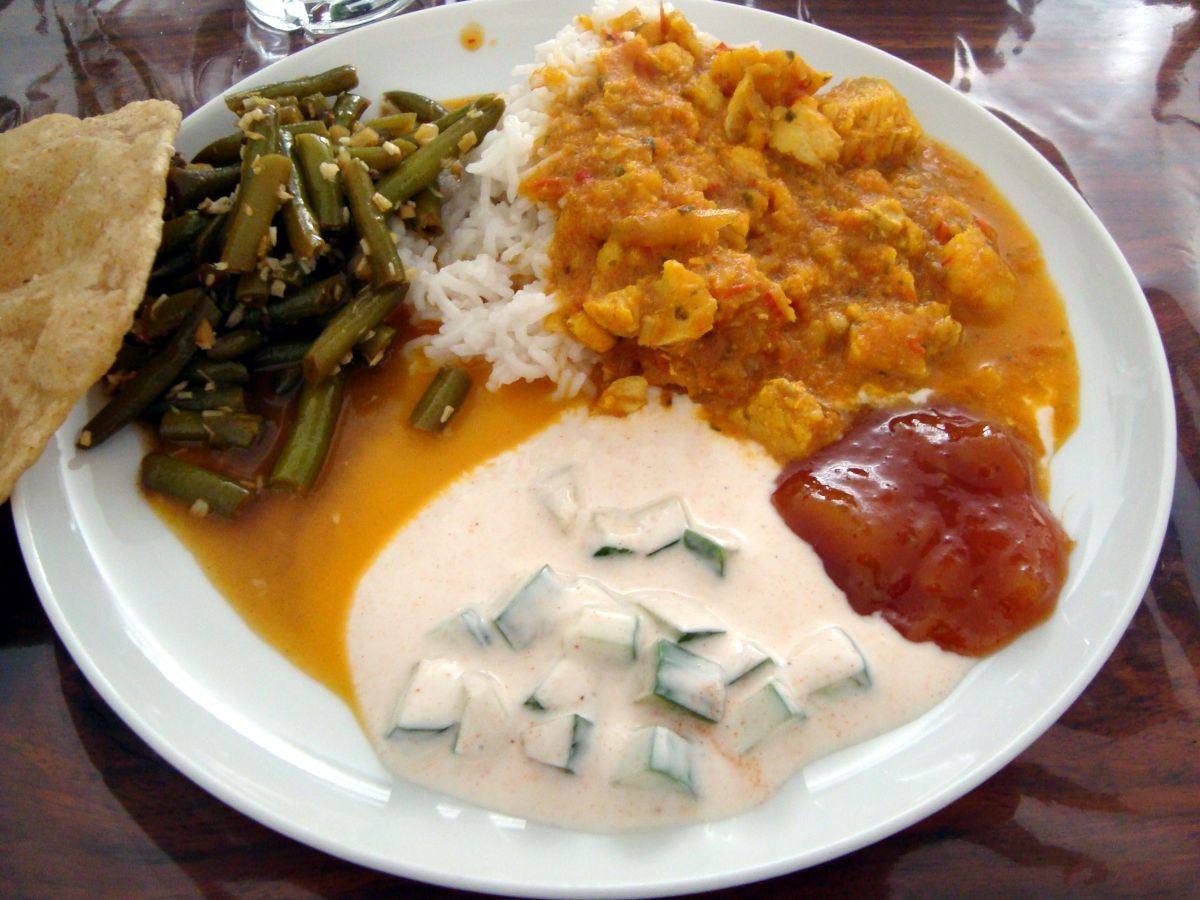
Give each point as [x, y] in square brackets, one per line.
[931, 517]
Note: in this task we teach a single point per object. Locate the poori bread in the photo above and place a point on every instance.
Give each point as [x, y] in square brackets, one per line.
[81, 203]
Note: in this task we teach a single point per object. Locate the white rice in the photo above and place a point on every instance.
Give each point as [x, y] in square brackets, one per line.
[483, 283]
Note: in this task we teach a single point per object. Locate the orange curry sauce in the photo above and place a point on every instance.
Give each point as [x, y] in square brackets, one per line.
[788, 254]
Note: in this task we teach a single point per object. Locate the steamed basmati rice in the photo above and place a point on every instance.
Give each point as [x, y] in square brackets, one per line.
[483, 282]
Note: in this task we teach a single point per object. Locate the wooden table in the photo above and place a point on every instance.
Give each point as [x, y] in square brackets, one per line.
[1105, 804]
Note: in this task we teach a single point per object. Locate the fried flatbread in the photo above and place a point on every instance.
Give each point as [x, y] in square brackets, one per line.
[81, 204]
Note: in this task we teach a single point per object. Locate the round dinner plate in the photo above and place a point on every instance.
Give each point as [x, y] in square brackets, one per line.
[171, 657]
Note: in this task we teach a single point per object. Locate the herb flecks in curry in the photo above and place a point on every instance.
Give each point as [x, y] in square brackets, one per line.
[786, 253]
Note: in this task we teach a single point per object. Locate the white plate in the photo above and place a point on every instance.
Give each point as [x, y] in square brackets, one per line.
[182, 669]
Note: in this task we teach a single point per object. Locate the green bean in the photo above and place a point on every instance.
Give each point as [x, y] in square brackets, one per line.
[327, 83]
[260, 140]
[351, 324]
[191, 185]
[371, 222]
[428, 217]
[253, 290]
[307, 126]
[441, 399]
[316, 108]
[289, 112]
[179, 232]
[425, 108]
[171, 268]
[202, 489]
[299, 221]
[279, 355]
[223, 373]
[206, 243]
[451, 116]
[159, 373]
[163, 314]
[227, 397]
[375, 344]
[381, 159]
[347, 110]
[314, 299]
[222, 151]
[324, 191]
[234, 344]
[130, 357]
[260, 137]
[393, 126]
[251, 217]
[303, 454]
[216, 428]
[421, 169]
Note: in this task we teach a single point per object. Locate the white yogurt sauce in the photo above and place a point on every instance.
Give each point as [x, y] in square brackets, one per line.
[485, 536]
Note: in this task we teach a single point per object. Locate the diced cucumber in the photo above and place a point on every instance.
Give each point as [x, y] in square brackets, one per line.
[605, 633]
[582, 591]
[689, 681]
[567, 684]
[705, 547]
[827, 660]
[613, 551]
[761, 714]
[485, 726]
[684, 616]
[558, 742]
[530, 612]
[646, 530]
[559, 494]
[475, 625]
[466, 627]
[736, 656]
[657, 758]
[433, 699]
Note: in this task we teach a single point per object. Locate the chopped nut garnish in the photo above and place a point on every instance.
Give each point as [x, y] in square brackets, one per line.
[365, 137]
[205, 337]
[249, 118]
[218, 206]
[425, 133]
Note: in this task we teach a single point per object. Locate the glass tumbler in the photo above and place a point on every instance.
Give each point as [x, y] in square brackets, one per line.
[321, 16]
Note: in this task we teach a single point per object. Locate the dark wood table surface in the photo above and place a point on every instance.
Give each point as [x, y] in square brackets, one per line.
[1105, 804]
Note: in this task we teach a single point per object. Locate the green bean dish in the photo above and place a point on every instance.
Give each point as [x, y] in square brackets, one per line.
[277, 278]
